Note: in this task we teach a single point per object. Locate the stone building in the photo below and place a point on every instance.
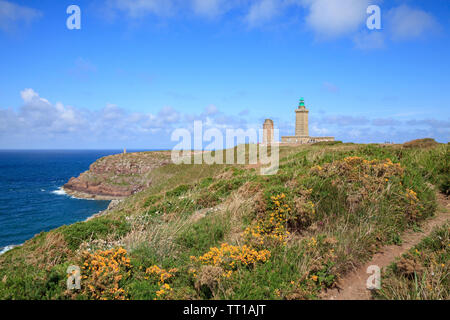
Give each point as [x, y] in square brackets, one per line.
[301, 129]
[268, 132]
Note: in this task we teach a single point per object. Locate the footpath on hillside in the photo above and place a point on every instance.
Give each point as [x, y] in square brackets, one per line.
[353, 285]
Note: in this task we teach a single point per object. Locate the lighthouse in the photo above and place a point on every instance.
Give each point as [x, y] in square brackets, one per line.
[301, 128]
[301, 120]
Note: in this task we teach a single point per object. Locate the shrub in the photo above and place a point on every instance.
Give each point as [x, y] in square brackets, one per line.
[356, 179]
[327, 143]
[272, 227]
[151, 200]
[104, 272]
[201, 235]
[207, 200]
[206, 182]
[93, 229]
[178, 191]
[223, 188]
[421, 143]
[162, 277]
[208, 280]
[230, 257]
[304, 212]
[444, 186]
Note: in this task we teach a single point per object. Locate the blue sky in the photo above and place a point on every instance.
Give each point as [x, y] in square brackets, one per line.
[139, 69]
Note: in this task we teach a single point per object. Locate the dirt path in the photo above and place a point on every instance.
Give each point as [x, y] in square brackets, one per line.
[353, 286]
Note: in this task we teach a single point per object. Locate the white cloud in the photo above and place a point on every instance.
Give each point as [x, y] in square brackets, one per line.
[141, 8]
[384, 122]
[432, 123]
[331, 18]
[212, 8]
[405, 23]
[327, 19]
[368, 40]
[263, 11]
[38, 112]
[28, 95]
[135, 9]
[12, 15]
[317, 131]
[40, 123]
[168, 115]
[211, 110]
[345, 120]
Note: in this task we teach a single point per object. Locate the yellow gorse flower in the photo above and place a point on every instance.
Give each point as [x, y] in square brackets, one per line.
[229, 256]
[103, 271]
[160, 274]
[274, 227]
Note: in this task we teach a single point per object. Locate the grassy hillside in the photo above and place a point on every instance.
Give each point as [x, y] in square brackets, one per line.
[226, 232]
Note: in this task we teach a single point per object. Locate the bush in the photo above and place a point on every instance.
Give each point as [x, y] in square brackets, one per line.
[207, 200]
[93, 229]
[444, 186]
[204, 183]
[421, 143]
[151, 200]
[103, 274]
[178, 191]
[203, 234]
[327, 143]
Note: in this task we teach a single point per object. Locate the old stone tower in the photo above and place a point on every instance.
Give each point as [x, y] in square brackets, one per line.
[268, 132]
[301, 120]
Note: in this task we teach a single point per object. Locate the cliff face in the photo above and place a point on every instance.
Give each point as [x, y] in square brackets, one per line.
[117, 176]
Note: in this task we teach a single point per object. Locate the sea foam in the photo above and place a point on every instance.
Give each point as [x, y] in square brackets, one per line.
[60, 192]
[6, 249]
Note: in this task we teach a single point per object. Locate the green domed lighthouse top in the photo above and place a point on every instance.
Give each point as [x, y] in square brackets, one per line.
[302, 103]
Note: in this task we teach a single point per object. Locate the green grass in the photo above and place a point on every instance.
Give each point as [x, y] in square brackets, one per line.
[200, 236]
[91, 230]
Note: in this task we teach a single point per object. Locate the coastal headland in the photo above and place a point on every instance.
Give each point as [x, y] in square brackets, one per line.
[117, 176]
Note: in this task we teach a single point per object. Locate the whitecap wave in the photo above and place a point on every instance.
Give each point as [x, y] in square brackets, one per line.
[6, 249]
[60, 192]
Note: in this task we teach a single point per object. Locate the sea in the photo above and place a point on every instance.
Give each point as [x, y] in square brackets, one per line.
[31, 197]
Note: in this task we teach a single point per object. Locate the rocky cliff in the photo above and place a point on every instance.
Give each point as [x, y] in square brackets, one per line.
[117, 176]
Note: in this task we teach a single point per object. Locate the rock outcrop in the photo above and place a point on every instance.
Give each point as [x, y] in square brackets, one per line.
[117, 176]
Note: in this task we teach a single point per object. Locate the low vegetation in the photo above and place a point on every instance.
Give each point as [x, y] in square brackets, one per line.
[422, 273]
[226, 232]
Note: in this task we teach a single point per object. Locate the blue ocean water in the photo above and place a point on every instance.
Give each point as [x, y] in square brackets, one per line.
[30, 197]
